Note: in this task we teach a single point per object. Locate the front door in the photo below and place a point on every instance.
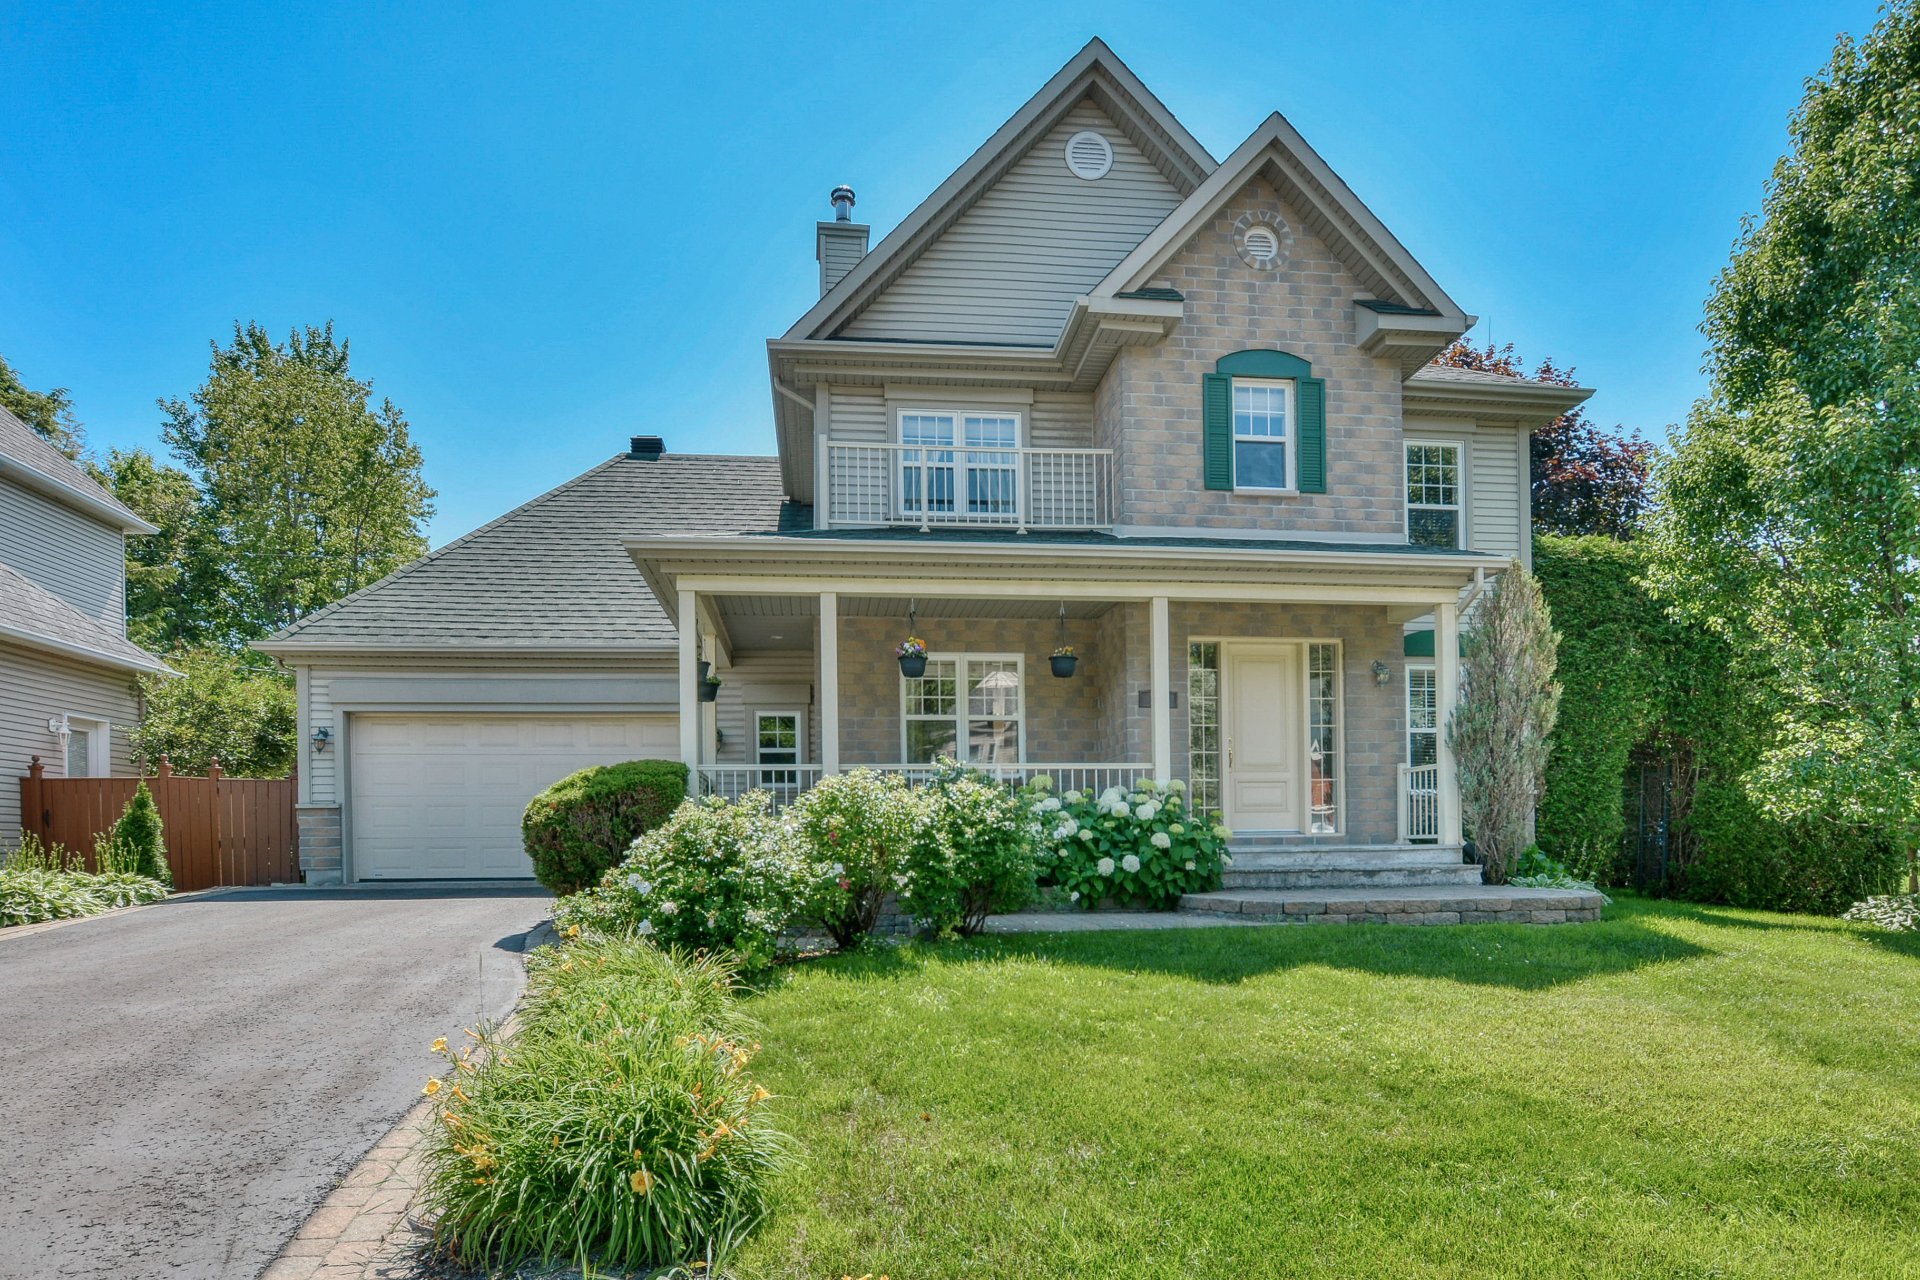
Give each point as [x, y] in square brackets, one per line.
[1263, 735]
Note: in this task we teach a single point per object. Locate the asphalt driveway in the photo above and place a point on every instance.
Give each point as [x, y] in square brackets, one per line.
[181, 1085]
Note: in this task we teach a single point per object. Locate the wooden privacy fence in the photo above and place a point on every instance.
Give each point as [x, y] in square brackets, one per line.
[219, 830]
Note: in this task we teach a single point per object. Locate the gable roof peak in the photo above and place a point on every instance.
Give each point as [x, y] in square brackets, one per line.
[1276, 151]
[1094, 71]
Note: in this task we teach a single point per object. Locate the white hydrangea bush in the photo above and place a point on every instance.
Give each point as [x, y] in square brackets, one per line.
[1897, 912]
[1138, 846]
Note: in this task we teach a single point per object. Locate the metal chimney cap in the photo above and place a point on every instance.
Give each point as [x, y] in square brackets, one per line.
[646, 448]
[842, 198]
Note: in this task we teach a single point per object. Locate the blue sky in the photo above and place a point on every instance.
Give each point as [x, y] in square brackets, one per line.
[547, 231]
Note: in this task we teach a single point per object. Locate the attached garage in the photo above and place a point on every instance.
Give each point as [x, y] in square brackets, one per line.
[440, 796]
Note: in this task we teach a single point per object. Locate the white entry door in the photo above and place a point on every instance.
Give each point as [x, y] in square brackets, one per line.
[440, 796]
[1263, 736]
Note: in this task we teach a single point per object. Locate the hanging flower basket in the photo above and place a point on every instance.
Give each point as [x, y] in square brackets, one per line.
[709, 689]
[1063, 660]
[912, 653]
[706, 669]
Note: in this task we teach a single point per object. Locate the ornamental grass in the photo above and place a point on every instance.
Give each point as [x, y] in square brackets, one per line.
[618, 1128]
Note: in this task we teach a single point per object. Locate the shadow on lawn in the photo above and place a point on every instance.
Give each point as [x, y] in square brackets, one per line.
[1527, 957]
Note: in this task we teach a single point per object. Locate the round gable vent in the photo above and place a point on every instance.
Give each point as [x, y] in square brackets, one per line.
[1262, 247]
[1089, 155]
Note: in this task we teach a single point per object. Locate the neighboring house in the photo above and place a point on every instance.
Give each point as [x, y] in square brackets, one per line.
[1100, 390]
[66, 666]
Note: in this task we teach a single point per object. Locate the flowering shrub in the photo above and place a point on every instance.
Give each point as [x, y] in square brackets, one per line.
[618, 1127]
[713, 875]
[1139, 847]
[973, 855]
[856, 829]
[1899, 912]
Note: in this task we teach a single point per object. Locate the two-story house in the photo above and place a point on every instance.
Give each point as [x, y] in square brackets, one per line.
[67, 669]
[1099, 391]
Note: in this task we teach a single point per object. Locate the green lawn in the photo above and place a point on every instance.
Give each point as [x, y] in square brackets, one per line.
[1676, 1091]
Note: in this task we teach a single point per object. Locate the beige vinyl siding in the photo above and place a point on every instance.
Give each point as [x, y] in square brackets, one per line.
[75, 557]
[1495, 466]
[859, 413]
[764, 682]
[34, 687]
[1009, 269]
[1061, 420]
[319, 774]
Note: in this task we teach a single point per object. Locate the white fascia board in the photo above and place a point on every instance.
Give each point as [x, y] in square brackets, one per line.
[452, 650]
[35, 640]
[109, 513]
[1534, 402]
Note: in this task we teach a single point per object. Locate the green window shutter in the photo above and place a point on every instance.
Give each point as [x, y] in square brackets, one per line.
[1217, 429]
[1313, 435]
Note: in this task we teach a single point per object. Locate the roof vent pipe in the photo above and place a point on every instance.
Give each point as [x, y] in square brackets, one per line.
[646, 448]
[842, 198]
[839, 245]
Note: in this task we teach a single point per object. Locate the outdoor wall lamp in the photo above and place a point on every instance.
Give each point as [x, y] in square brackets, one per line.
[1382, 673]
[321, 737]
[62, 728]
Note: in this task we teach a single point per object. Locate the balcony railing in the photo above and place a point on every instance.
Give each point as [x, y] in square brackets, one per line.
[1419, 802]
[1021, 489]
[785, 782]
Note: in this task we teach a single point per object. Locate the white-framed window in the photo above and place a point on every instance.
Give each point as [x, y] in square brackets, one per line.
[779, 742]
[970, 706]
[1323, 738]
[959, 465]
[1433, 493]
[1423, 714]
[89, 747]
[1263, 435]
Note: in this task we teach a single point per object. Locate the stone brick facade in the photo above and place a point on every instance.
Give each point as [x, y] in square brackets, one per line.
[319, 826]
[1148, 407]
[1097, 715]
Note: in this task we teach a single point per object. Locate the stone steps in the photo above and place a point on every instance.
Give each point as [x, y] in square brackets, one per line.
[1279, 858]
[1437, 904]
[1239, 877]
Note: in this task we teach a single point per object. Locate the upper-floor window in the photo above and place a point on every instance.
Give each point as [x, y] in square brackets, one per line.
[955, 463]
[1262, 434]
[1433, 494]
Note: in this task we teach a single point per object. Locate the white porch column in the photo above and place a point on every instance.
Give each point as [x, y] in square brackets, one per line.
[1162, 684]
[829, 682]
[689, 620]
[1446, 678]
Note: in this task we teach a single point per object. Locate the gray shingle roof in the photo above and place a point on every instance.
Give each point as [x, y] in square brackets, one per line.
[30, 612]
[554, 573]
[1476, 377]
[31, 450]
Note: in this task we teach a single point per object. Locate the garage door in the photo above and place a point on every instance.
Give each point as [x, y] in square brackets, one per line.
[441, 796]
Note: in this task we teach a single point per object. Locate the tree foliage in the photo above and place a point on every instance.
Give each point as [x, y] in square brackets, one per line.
[1500, 730]
[1789, 515]
[310, 489]
[173, 576]
[50, 413]
[1584, 478]
[1645, 690]
[232, 707]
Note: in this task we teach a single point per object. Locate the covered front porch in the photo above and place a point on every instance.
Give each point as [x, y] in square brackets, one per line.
[1274, 685]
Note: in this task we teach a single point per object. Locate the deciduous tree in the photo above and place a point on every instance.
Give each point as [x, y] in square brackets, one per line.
[48, 412]
[1789, 512]
[1585, 479]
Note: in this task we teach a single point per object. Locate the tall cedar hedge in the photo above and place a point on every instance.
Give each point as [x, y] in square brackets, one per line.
[580, 826]
[1634, 680]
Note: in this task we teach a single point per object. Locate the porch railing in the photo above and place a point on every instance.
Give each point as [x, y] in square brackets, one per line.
[877, 484]
[785, 782]
[1419, 802]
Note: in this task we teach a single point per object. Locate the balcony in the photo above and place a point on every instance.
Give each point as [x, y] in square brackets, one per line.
[973, 488]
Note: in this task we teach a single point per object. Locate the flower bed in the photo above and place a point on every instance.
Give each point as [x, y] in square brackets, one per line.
[38, 884]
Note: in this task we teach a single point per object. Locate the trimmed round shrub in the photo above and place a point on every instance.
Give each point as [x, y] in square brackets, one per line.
[714, 876]
[974, 854]
[618, 1128]
[1143, 847]
[857, 828]
[579, 827]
